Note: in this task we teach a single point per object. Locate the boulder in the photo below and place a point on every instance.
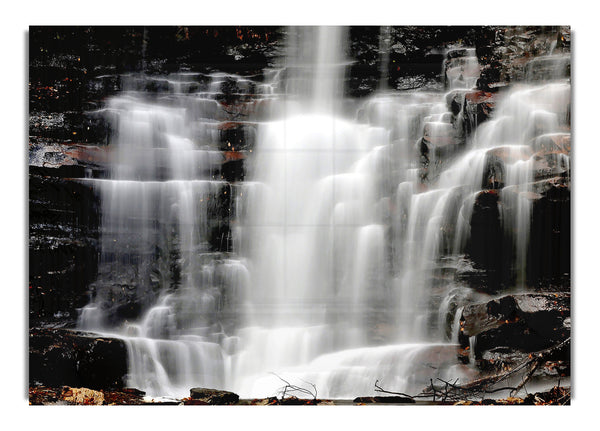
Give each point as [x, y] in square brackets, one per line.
[214, 396]
[60, 357]
[82, 396]
[295, 401]
[515, 324]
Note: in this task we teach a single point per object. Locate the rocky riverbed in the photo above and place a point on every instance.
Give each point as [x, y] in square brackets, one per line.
[65, 395]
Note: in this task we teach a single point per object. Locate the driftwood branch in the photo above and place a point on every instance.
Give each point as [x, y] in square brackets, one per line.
[380, 389]
[451, 391]
[533, 362]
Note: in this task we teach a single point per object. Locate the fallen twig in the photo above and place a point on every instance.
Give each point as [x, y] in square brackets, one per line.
[289, 388]
[380, 389]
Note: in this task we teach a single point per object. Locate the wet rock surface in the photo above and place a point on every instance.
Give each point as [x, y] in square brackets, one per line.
[507, 329]
[213, 396]
[63, 247]
[549, 253]
[59, 357]
[491, 246]
[485, 247]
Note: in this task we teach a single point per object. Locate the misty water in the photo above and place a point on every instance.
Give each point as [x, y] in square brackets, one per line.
[336, 268]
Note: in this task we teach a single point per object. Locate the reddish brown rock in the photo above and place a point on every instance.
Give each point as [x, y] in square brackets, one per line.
[560, 142]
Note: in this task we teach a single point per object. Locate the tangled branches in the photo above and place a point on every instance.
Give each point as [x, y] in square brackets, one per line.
[450, 391]
[292, 390]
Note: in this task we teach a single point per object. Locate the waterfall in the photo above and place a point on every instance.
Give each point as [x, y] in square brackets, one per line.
[384, 49]
[158, 213]
[333, 262]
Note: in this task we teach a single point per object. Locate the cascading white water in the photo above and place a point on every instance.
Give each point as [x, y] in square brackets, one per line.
[156, 226]
[462, 69]
[342, 235]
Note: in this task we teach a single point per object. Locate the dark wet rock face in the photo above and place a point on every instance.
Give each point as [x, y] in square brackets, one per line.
[411, 57]
[63, 247]
[549, 253]
[508, 328]
[60, 357]
[491, 246]
[485, 246]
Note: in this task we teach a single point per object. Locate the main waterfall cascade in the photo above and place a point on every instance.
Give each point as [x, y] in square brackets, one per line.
[345, 232]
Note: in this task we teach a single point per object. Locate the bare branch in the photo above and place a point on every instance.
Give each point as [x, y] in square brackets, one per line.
[452, 391]
[289, 388]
